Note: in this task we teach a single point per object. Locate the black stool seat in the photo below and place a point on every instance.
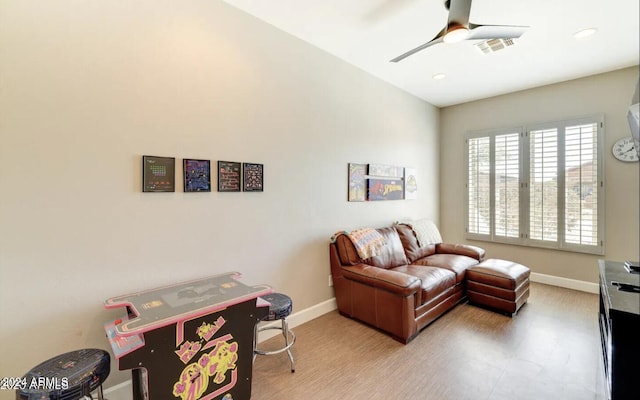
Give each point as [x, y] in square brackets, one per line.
[280, 306]
[69, 376]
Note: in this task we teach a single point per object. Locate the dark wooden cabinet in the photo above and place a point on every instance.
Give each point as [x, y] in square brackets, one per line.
[620, 331]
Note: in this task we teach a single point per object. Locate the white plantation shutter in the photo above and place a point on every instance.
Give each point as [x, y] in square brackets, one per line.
[581, 185]
[543, 184]
[478, 185]
[540, 188]
[507, 185]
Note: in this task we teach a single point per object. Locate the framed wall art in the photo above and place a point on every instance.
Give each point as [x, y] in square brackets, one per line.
[385, 189]
[410, 184]
[197, 175]
[391, 171]
[253, 175]
[229, 176]
[158, 174]
[357, 183]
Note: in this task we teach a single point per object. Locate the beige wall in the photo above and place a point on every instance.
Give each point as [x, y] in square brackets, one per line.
[608, 93]
[87, 88]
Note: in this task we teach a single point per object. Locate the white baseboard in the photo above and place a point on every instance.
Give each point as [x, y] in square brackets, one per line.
[313, 312]
[302, 316]
[582, 286]
[122, 391]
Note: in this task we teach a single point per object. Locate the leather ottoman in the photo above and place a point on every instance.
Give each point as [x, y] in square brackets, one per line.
[498, 284]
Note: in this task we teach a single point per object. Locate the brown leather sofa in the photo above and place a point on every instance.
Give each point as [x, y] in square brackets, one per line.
[406, 287]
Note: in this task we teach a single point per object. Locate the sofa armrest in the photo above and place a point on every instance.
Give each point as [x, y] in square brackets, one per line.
[391, 281]
[461, 249]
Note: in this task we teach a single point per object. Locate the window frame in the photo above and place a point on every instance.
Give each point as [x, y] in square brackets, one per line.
[524, 208]
[492, 134]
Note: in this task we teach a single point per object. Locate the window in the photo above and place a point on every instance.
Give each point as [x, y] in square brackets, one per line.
[539, 185]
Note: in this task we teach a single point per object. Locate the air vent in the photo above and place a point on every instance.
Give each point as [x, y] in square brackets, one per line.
[493, 45]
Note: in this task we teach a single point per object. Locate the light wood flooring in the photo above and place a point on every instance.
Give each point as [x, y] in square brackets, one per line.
[550, 350]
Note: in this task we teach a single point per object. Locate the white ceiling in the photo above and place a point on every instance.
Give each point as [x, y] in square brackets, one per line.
[369, 33]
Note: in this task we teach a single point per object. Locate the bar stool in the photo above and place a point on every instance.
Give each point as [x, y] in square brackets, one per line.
[280, 306]
[69, 376]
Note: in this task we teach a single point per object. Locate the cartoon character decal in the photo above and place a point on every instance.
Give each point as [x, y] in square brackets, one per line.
[188, 350]
[222, 359]
[192, 384]
[206, 331]
[195, 377]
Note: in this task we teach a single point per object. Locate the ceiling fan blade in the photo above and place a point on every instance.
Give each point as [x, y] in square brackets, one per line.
[459, 11]
[482, 32]
[434, 41]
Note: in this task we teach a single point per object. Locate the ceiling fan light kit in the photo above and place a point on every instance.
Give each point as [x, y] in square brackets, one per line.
[456, 33]
[459, 28]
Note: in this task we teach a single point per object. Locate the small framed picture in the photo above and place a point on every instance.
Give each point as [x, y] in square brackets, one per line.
[385, 189]
[158, 174]
[228, 176]
[253, 177]
[390, 171]
[197, 175]
[410, 184]
[357, 182]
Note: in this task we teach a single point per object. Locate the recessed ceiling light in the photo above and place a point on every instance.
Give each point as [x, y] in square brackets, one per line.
[585, 33]
[439, 76]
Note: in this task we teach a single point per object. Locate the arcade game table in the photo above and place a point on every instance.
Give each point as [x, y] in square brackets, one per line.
[189, 341]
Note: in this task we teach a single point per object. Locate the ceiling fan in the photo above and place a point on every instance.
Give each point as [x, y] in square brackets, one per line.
[459, 28]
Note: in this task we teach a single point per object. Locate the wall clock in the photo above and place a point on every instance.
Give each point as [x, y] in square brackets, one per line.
[625, 149]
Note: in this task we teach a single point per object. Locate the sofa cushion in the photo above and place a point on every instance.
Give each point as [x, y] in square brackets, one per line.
[391, 255]
[453, 262]
[461, 249]
[410, 243]
[435, 281]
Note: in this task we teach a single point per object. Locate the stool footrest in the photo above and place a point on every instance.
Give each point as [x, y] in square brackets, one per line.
[292, 340]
